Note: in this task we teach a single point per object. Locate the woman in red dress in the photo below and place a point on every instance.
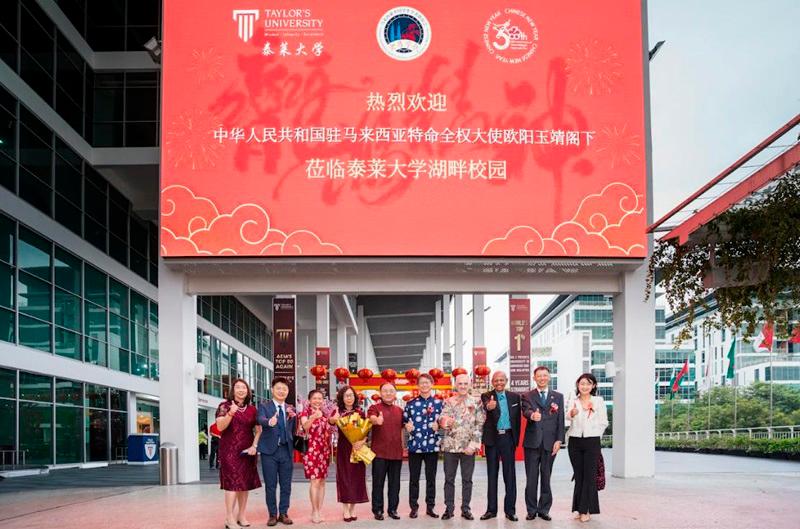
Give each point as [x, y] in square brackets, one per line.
[351, 478]
[238, 474]
[318, 455]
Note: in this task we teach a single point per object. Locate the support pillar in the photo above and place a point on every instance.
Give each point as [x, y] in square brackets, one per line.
[634, 397]
[477, 321]
[178, 388]
[458, 329]
[437, 335]
[447, 352]
[132, 425]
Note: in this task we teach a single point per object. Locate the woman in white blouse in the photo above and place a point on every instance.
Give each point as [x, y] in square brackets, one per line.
[588, 418]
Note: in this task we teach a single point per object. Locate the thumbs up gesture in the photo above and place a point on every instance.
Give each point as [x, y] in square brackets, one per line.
[574, 411]
[537, 415]
[492, 404]
[379, 419]
[274, 420]
[316, 415]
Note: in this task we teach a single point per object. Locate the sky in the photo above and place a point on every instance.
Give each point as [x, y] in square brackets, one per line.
[727, 77]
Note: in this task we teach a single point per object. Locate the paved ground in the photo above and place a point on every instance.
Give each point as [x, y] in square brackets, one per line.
[689, 491]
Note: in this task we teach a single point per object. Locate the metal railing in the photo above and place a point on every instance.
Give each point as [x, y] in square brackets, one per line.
[11, 459]
[764, 432]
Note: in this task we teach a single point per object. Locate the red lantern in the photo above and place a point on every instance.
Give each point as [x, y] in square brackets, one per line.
[459, 371]
[389, 375]
[341, 374]
[319, 371]
[436, 373]
[415, 393]
[365, 373]
[359, 396]
[412, 375]
[375, 397]
[439, 396]
[482, 371]
[407, 397]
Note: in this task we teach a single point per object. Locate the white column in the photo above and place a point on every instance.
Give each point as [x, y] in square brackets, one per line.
[477, 321]
[178, 389]
[323, 321]
[437, 333]
[458, 352]
[446, 350]
[132, 427]
[634, 398]
[361, 341]
[341, 347]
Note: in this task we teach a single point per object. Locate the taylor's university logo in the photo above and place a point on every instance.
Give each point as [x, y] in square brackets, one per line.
[150, 449]
[246, 19]
[511, 36]
[403, 33]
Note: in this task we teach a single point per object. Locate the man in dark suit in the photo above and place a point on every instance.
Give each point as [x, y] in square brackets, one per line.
[544, 435]
[276, 446]
[500, 436]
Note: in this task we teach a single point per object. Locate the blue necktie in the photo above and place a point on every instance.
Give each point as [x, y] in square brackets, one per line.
[282, 426]
[543, 398]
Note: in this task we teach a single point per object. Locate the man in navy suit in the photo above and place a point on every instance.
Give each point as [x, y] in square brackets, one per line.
[276, 447]
[544, 435]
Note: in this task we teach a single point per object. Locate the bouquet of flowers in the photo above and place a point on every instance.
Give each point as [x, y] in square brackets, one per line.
[355, 428]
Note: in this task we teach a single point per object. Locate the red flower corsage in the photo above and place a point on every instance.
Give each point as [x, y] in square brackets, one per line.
[553, 408]
[590, 408]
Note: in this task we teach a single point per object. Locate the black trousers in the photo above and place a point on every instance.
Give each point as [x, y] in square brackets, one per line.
[212, 458]
[381, 470]
[583, 454]
[502, 452]
[538, 464]
[415, 461]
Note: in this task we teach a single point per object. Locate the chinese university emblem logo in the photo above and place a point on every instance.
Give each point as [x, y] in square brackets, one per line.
[245, 18]
[403, 33]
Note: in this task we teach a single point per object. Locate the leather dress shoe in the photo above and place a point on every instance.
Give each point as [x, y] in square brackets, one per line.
[447, 515]
[413, 513]
[487, 515]
[379, 516]
[467, 515]
[544, 516]
[430, 512]
[393, 515]
[284, 519]
[512, 517]
[530, 516]
[273, 520]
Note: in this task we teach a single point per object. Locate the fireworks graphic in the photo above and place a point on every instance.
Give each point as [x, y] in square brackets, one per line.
[206, 65]
[593, 67]
[189, 141]
[619, 146]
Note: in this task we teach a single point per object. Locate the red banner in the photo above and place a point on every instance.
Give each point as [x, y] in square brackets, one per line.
[406, 117]
[283, 342]
[322, 357]
[519, 357]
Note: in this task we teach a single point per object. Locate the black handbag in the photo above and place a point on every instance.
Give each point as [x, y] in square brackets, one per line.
[300, 442]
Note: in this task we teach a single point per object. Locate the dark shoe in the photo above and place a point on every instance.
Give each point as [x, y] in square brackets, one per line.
[413, 513]
[273, 520]
[430, 513]
[379, 516]
[240, 524]
[512, 517]
[393, 515]
[544, 516]
[467, 515]
[284, 519]
[530, 516]
[447, 515]
[487, 515]
[347, 519]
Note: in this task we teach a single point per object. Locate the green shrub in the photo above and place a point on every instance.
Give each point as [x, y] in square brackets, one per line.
[755, 447]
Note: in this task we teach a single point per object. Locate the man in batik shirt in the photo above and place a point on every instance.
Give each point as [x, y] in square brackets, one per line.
[421, 416]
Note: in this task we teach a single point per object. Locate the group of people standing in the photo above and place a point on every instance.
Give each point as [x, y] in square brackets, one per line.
[456, 427]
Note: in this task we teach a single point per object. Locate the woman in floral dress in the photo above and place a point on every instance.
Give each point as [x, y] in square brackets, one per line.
[317, 429]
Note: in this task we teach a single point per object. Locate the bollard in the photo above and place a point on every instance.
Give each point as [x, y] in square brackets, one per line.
[168, 463]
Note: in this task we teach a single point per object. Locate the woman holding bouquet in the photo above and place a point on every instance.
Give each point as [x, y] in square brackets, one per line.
[588, 419]
[351, 478]
[318, 455]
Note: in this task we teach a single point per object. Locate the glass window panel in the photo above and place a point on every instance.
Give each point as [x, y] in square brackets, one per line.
[68, 344]
[95, 201]
[95, 233]
[95, 287]
[8, 18]
[96, 396]
[117, 297]
[139, 365]
[97, 435]
[119, 359]
[35, 155]
[119, 435]
[8, 173]
[118, 249]
[36, 34]
[68, 215]
[7, 326]
[95, 352]
[118, 220]
[35, 192]
[138, 263]
[139, 339]
[34, 253]
[95, 318]
[34, 333]
[66, 152]
[68, 109]
[69, 435]
[35, 387]
[109, 96]
[8, 135]
[8, 424]
[139, 308]
[6, 286]
[69, 392]
[67, 271]
[141, 134]
[35, 125]
[67, 310]
[34, 296]
[36, 77]
[8, 384]
[107, 134]
[36, 432]
[68, 181]
[118, 331]
[153, 315]
[119, 399]
[7, 229]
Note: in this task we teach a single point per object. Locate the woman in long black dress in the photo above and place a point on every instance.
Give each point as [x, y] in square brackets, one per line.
[351, 478]
[238, 474]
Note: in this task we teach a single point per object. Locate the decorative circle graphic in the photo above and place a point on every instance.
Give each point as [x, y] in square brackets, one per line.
[403, 33]
[511, 36]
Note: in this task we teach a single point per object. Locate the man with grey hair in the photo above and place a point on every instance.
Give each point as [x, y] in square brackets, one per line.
[462, 423]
